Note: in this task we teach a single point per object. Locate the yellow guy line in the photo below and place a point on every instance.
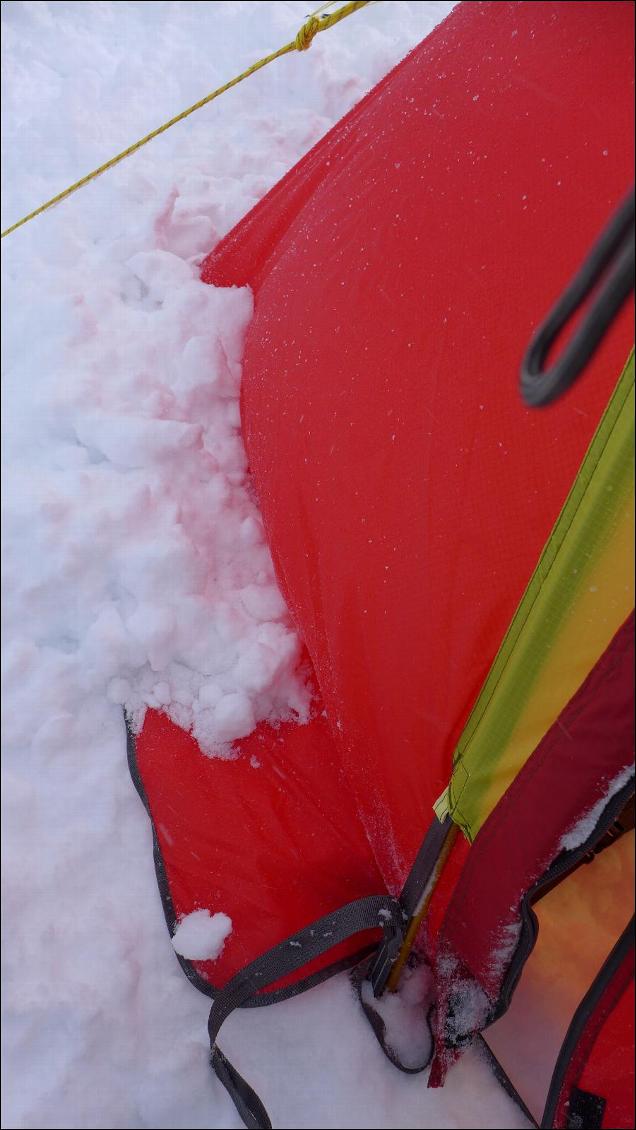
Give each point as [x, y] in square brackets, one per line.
[302, 41]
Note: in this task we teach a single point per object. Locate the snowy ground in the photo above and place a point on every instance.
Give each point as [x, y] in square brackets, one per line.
[135, 568]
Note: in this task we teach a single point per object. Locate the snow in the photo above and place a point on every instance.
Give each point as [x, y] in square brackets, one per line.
[507, 942]
[584, 828]
[405, 1015]
[470, 1007]
[139, 447]
[135, 567]
[201, 936]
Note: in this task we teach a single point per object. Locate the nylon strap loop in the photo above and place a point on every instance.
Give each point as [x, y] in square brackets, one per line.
[374, 912]
[608, 276]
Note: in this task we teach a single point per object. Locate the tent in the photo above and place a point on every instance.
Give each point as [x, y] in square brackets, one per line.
[458, 566]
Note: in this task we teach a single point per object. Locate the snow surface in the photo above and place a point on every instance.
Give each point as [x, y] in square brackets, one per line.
[135, 566]
[201, 936]
[405, 1015]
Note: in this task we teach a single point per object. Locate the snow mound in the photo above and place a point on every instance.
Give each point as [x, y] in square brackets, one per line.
[142, 505]
[405, 1015]
[201, 936]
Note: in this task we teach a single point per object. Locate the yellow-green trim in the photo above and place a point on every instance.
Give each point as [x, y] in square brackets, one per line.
[589, 534]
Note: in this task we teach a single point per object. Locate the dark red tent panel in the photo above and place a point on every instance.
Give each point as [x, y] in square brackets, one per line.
[588, 746]
[488, 928]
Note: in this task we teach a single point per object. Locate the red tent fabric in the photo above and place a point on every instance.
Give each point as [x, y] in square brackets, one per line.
[605, 1061]
[398, 272]
[271, 839]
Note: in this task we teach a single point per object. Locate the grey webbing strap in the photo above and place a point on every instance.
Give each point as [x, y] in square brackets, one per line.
[606, 279]
[374, 912]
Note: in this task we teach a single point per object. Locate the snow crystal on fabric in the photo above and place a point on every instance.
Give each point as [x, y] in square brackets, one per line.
[584, 828]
